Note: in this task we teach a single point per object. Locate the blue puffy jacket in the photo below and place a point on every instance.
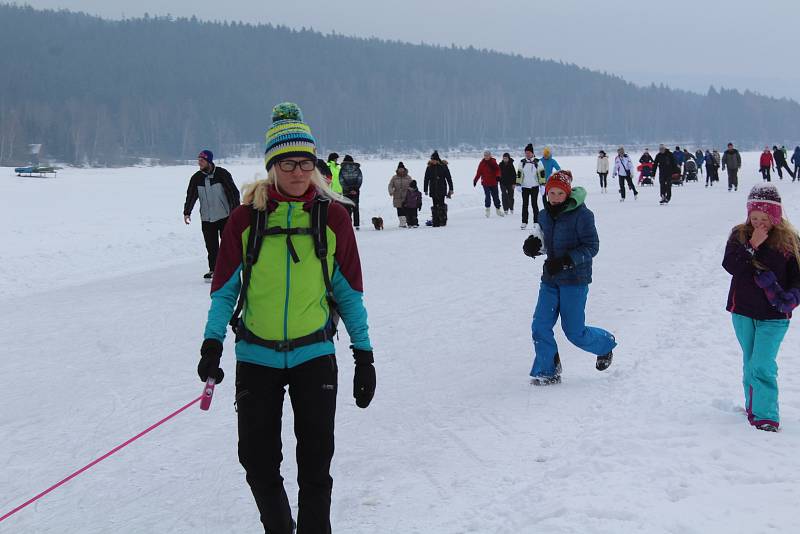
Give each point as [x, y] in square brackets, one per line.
[796, 156]
[572, 232]
[550, 165]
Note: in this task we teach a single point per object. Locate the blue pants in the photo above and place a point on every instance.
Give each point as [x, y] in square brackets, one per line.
[490, 193]
[760, 341]
[569, 301]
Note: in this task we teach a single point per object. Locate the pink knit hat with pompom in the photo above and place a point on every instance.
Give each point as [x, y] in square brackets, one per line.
[766, 199]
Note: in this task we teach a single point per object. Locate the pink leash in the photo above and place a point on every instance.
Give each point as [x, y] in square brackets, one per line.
[208, 391]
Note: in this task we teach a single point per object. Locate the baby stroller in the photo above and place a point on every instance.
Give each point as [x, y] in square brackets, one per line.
[645, 174]
[690, 170]
[677, 177]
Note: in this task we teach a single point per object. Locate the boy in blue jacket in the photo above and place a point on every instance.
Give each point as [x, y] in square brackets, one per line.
[570, 241]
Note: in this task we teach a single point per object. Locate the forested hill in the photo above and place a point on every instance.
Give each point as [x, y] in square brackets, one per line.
[101, 91]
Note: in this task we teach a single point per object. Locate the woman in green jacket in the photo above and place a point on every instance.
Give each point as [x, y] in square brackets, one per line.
[295, 253]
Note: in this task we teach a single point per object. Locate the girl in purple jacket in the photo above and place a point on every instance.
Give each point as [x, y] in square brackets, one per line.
[763, 256]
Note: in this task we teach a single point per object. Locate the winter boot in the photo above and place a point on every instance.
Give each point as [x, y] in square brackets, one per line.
[604, 361]
[500, 213]
[523, 226]
[767, 427]
[545, 380]
[403, 223]
[488, 211]
[208, 276]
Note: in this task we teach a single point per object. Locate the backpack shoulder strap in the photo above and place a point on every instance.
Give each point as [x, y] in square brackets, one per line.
[258, 225]
[319, 229]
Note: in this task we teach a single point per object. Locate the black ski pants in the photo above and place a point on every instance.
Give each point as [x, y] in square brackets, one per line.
[530, 194]
[622, 180]
[765, 173]
[603, 179]
[212, 233]
[507, 196]
[783, 165]
[411, 216]
[665, 182]
[733, 178]
[353, 210]
[712, 174]
[259, 403]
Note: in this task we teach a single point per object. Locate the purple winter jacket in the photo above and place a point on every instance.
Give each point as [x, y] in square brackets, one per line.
[744, 296]
[413, 199]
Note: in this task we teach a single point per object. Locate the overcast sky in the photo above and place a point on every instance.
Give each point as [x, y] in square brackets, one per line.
[685, 44]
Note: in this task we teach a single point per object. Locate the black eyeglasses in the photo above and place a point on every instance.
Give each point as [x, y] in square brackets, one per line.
[289, 165]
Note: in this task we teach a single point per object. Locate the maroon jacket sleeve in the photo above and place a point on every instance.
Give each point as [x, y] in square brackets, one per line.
[346, 255]
[231, 251]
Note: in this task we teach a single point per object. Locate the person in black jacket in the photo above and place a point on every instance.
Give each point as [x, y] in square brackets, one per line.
[213, 186]
[438, 185]
[666, 165]
[732, 160]
[350, 178]
[508, 181]
[780, 162]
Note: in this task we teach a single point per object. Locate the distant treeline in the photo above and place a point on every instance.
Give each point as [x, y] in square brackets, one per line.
[96, 91]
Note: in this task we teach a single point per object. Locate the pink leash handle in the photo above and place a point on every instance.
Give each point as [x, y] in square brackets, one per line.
[208, 394]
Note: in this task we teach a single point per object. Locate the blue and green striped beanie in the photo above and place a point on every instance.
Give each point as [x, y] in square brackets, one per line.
[289, 135]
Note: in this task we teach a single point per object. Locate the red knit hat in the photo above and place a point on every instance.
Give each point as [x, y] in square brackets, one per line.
[561, 180]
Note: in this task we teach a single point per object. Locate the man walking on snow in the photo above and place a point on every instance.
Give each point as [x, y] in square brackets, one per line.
[780, 162]
[213, 186]
[733, 161]
[665, 163]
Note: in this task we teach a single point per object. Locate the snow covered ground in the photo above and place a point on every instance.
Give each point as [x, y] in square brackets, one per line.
[101, 314]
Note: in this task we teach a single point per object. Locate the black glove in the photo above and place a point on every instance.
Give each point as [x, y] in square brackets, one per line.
[210, 353]
[556, 265]
[532, 246]
[364, 377]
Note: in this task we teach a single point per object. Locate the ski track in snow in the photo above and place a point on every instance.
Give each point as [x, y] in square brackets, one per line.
[101, 316]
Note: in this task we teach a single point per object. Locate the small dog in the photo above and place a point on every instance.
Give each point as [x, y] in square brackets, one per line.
[377, 222]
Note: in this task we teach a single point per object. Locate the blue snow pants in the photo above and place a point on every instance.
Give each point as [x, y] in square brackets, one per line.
[568, 301]
[490, 194]
[760, 341]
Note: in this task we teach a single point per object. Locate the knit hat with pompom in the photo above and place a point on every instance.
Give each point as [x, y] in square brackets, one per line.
[766, 199]
[289, 136]
[560, 180]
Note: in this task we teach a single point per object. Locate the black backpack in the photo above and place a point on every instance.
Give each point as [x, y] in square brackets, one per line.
[258, 229]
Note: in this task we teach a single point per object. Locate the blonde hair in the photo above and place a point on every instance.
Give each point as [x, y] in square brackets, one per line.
[782, 237]
[256, 194]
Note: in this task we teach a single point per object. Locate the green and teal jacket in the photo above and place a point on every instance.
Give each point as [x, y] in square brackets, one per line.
[287, 299]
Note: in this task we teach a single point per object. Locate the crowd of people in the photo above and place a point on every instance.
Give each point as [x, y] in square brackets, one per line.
[294, 233]
[671, 168]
